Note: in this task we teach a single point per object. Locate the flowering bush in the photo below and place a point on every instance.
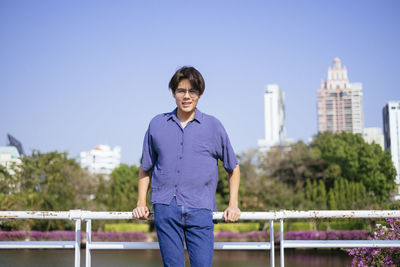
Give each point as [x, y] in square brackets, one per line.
[13, 236]
[262, 236]
[51, 236]
[257, 236]
[379, 256]
[70, 236]
[119, 236]
[329, 235]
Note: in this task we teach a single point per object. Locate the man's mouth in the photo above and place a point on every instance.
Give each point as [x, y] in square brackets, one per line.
[186, 104]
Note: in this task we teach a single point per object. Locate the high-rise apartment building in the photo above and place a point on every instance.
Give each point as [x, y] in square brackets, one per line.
[340, 106]
[374, 135]
[274, 117]
[391, 131]
[101, 159]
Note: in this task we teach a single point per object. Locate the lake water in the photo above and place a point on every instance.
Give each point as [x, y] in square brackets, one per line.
[152, 258]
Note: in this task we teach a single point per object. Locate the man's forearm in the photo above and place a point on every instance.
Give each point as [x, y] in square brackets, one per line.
[143, 186]
[234, 182]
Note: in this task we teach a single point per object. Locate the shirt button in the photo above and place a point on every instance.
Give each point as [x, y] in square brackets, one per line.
[181, 143]
[180, 157]
[178, 171]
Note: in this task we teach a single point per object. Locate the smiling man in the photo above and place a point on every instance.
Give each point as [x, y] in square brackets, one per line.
[181, 151]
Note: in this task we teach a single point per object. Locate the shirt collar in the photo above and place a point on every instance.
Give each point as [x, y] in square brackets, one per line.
[198, 116]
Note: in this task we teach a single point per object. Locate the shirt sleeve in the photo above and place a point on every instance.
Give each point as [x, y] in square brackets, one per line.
[226, 152]
[149, 156]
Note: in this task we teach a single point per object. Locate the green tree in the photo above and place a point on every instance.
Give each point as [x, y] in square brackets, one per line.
[321, 200]
[330, 172]
[348, 156]
[315, 195]
[260, 191]
[121, 193]
[294, 165]
[5, 180]
[48, 181]
[222, 194]
[332, 204]
[350, 195]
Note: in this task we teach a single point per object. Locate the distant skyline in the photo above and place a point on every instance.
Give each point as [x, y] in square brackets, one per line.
[77, 74]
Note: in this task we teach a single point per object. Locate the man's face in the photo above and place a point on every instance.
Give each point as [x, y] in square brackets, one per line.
[186, 97]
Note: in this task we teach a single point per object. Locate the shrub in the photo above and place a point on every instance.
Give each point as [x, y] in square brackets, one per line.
[257, 236]
[38, 236]
[379, 256]
[301, 226]
[329, 235]
[13, 236]
[119, 236]
[237, 227]
[126, 227]
[52, 236]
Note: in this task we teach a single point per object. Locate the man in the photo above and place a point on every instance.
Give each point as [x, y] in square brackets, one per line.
[181, 150]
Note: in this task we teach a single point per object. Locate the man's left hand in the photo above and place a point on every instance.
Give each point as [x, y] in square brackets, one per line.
[231, 214]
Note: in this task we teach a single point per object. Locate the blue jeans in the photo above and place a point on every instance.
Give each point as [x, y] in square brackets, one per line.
[176, 224]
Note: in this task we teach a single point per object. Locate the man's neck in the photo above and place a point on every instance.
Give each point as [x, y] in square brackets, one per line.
[184, 117]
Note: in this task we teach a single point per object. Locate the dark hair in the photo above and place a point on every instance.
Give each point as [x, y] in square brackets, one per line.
[190, 73]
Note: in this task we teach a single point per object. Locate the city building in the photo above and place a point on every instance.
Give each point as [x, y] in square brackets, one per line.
[391, 131]
[274, 117]
[101, 159]
[10, 158]
[340, 106]
[12, 141]
[374, 135]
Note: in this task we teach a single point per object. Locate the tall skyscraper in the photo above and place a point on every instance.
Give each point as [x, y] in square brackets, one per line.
[340, 106]
[391, 131]
[374, 135]
[274, 117]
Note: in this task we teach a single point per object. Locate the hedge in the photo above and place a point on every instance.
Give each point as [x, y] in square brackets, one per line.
[237, 227]
[126, 227]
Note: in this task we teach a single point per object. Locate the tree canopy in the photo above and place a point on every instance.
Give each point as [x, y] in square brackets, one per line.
[334, 171]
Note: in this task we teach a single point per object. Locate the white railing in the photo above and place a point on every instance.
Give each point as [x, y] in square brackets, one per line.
[79, 215]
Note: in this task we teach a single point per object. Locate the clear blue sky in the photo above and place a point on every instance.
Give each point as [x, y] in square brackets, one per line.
[74, 74]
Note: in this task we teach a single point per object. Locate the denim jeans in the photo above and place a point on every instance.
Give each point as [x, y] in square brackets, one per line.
[176, 224]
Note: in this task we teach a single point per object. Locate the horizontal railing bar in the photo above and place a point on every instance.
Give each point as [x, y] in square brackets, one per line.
[217, 245]
[242, 245]
[344, 214]
[154, 245]
[341, 243]
[287, 214]
[123, 245]
[34, 215]
[37, 244]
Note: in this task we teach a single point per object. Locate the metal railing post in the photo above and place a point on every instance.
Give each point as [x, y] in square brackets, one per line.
[88, 242]
[77, 243]
[271, 236]
[282, 248]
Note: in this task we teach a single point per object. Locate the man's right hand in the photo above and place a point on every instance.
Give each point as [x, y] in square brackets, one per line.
[141, 213]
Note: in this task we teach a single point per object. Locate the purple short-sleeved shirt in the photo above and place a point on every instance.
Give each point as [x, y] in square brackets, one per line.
[184, 160]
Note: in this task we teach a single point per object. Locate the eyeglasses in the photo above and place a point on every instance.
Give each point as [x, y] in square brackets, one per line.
[192, 92]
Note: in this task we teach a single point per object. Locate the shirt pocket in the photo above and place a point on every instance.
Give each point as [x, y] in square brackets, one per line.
[202, 147]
